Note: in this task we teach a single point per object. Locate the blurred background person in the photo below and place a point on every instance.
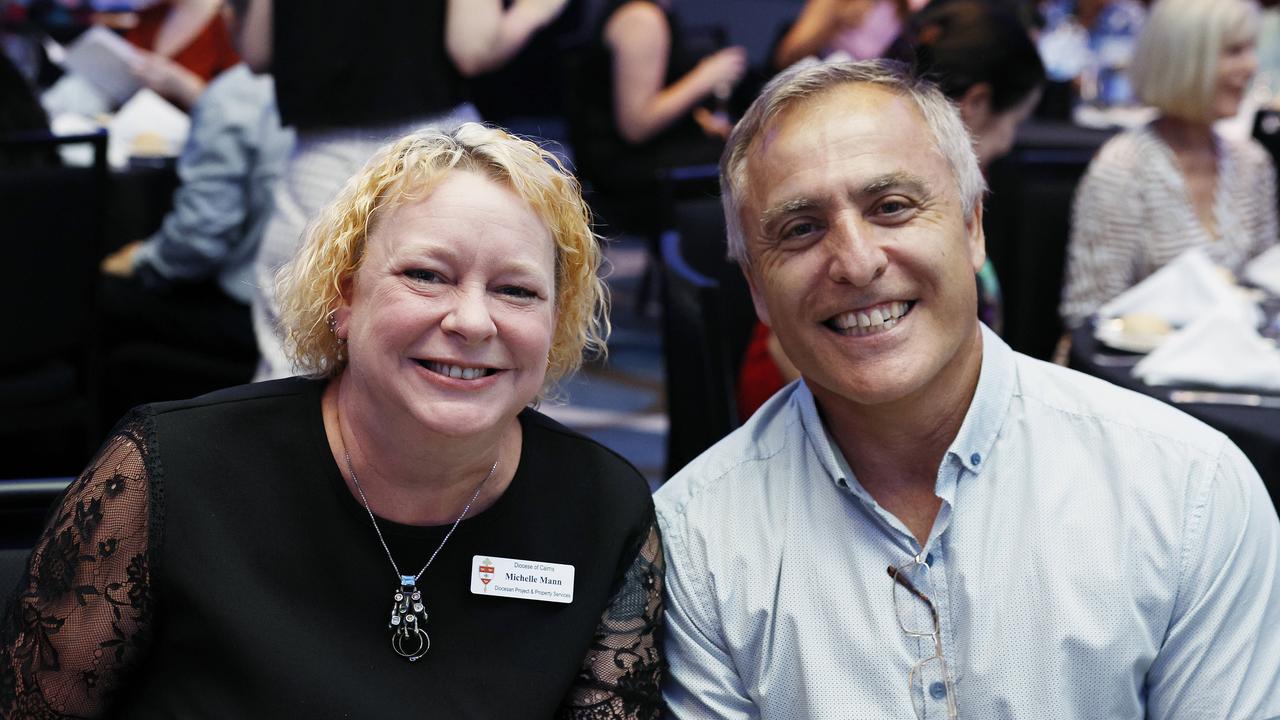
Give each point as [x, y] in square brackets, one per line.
[185, 44]
[189, 285]
[854, 29]
[984, 60]
[350, 77]
[1157, 190]
[243, 548]
[178, 47]
[644, 94]
[1090, 44]
[1267, 79]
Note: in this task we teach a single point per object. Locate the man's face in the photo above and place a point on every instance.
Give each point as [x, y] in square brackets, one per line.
[861, 258]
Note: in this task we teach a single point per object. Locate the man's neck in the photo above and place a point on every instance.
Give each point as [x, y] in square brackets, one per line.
[895, 449]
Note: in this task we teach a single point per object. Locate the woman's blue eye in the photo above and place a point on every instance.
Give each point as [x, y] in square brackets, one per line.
[519, 292]
[423, 275]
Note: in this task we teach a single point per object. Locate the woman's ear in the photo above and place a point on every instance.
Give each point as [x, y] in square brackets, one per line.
[341, 315]
[975, 107]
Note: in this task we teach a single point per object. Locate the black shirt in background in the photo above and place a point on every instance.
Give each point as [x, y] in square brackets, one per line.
[339, 64]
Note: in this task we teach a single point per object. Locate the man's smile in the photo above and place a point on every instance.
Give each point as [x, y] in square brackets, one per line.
[870, 320]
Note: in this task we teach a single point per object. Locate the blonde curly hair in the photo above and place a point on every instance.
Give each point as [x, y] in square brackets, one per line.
[310, 287]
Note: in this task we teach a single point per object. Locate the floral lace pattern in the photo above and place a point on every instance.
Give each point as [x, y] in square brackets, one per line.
[622, 672]
[78, 621]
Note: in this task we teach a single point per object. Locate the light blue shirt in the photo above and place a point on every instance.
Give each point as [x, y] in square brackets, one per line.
[228, 168]
[1098, 554]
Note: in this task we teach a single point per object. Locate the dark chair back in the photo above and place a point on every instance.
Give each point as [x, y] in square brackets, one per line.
[53, 222]
[1266, 130]
[24, 508]
[1028, 224]
[13, 562]
[53, 219]
[707, 320]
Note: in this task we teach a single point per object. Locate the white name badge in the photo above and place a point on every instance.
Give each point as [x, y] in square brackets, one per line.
[521, 579]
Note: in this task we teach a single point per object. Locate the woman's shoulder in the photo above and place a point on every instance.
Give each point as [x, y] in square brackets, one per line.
[1248, 154]
[1129, 150]
[583, 464]
[242, 406]
[1126, 166]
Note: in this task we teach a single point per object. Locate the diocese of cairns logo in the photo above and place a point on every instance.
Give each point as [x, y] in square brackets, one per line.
[486, 573]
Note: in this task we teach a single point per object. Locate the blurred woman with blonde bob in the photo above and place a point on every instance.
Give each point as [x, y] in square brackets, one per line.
[399, 534]
[1155, 191]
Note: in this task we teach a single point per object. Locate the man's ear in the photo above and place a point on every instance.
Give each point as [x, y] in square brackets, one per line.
[977, 237]
[975, 106]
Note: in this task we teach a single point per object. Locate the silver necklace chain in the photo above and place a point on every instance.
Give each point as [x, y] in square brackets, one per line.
[409, 636]
[399, 576]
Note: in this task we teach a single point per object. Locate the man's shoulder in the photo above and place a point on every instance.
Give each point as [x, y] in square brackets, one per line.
[1122, 416]
[236, 96]
[238, 82]
[737, 468]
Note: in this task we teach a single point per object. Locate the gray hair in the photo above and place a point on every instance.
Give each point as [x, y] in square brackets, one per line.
[803, 82]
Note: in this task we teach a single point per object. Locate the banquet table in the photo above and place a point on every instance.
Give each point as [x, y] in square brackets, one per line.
[1255, 430]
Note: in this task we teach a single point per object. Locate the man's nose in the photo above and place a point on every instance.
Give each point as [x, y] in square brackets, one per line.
[856, 255]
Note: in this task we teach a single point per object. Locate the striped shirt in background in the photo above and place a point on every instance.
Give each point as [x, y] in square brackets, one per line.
[1132, 215]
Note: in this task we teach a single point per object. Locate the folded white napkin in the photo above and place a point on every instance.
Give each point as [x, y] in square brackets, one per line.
[1182, 291]
[1264, 270]
[146, 112]
[74, 154]
[1217, 349]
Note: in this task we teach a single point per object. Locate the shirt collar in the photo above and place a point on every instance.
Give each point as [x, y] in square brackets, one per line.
[978, 432]
[990, 405]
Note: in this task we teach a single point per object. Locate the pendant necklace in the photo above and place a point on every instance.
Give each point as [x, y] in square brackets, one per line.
[408, 613]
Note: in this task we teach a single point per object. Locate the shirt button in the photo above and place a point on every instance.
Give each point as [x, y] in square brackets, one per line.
[938, 690]
[975, 459]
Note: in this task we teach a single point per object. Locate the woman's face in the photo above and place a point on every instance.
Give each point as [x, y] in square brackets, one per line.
[993, 133]
[451, 313]
[1236, 66]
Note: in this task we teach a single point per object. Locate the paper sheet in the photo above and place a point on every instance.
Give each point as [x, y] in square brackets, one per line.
[106, 60]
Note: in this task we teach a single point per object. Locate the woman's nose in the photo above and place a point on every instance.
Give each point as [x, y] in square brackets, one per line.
[469, 316]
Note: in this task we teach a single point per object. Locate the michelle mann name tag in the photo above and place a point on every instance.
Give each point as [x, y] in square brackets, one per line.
[521, 579]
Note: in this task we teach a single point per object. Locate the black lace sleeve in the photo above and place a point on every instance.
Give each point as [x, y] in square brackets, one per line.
[78, 621]
[622, 672]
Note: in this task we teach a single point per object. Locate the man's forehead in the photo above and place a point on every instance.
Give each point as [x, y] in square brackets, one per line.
[858, 131]
[847, 108]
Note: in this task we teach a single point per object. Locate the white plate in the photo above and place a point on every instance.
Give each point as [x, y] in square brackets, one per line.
[1112, 333]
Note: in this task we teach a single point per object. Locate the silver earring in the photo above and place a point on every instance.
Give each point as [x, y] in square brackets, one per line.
[333, 329]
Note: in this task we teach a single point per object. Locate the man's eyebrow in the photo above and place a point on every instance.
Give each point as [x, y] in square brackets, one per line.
[904, 181]
[773, 215]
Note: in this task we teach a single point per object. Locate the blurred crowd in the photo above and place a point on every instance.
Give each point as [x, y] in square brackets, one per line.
[288, 99]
